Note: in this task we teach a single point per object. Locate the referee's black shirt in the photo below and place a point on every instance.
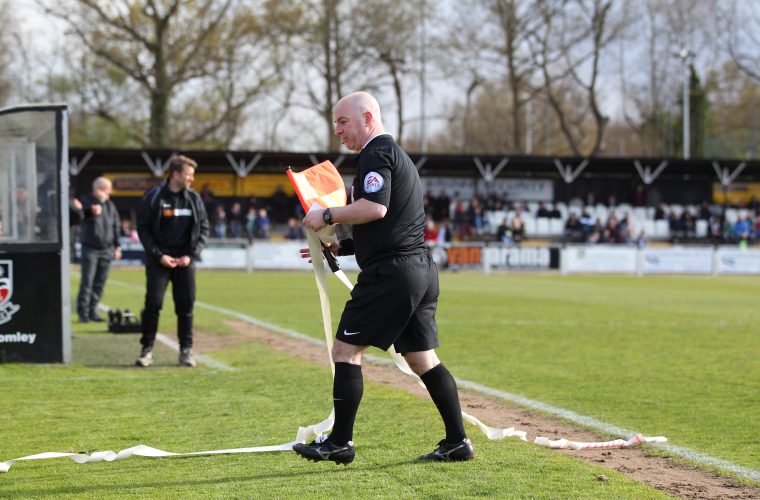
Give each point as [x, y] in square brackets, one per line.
[386, 175]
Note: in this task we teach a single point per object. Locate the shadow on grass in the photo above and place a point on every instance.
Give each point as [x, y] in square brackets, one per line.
[108, 350]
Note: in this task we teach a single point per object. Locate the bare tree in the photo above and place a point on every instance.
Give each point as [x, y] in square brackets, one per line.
[569, 46]
[488, 41]
[212, 57]
[738, 26]
[350, 45]
[8, 41]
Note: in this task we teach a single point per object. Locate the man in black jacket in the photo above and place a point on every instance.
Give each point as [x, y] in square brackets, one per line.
[173, 227]
[99, 237]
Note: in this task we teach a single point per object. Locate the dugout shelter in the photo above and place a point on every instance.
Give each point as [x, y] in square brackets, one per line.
[35, 306]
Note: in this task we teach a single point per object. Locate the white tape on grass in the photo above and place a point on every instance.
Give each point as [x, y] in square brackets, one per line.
[590, 422]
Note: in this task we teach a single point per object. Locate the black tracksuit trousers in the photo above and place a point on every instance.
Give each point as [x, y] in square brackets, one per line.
[183, 291]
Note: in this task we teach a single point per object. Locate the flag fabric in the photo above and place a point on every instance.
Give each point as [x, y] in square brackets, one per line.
[320, 184]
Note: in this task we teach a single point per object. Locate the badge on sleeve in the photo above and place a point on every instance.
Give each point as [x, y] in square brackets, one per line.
[373, 182]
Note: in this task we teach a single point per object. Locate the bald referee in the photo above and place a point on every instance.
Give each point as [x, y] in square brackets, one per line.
[396, 295]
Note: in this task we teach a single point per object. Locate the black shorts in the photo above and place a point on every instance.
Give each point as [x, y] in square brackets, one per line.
[394, 303]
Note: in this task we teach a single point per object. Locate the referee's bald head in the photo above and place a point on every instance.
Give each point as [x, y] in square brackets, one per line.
[357, 118]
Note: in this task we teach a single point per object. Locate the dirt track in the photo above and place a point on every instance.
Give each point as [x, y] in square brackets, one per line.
[660, 473]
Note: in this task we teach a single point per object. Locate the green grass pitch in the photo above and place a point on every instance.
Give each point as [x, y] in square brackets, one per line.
[673, 356]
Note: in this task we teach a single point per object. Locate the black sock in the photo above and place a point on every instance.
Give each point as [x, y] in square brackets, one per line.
[348, 386]
[443, 389]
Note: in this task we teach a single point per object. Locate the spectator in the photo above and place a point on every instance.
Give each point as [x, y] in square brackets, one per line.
[638, 197]
[517, 228]
[689, 225]
[628, 229]
[641, 239]
[208, 197]
[676, 227]
[475, 215]
[250, 223]
[431, 232]
[127, 231]
[261, 225]
[704, 211]
[613, 233]
[442, 206]
[590, 199]
[574, 231]
[542, 211]
[444, 232]
[661, 212]
[587, 222]
[503, 232]
[295, 231]
[100, 245]
[428, 205]
[235, 220]
[742, 230]
[76, 214]
[220, 222]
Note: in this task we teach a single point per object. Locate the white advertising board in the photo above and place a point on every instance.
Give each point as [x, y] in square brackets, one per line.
[738, 261]
[519, 257]
[514, 189]
[287, 255]
[598, 259]
[693, 260]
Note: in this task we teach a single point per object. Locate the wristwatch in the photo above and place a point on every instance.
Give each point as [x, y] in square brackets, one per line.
[327, 217]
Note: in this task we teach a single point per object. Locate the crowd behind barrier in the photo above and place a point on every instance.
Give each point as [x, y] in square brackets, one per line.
[494, 218]
[489, 218]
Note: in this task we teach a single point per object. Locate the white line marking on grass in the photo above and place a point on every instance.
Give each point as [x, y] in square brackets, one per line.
[206, 360]
[593, 423]
[590, 422]
[202, 358]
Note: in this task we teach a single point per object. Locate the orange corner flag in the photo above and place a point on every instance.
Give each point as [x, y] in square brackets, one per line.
[319, 184]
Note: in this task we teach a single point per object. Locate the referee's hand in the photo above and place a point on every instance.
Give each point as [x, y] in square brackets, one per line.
[306, 253]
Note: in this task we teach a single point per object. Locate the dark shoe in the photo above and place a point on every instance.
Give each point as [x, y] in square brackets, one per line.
[327, 450]
[146, 357]
[96, 318]
[451, 452]
[186, 357]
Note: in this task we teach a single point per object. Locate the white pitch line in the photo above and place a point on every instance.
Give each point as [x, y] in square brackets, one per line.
[202, 358]
[586, 421]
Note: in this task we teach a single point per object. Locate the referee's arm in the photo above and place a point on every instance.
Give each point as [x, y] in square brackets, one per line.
[361, 211]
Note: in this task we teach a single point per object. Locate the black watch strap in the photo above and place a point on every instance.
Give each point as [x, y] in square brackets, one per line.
[327, 217]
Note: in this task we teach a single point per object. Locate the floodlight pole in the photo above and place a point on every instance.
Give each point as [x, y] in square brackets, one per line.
[686, 56]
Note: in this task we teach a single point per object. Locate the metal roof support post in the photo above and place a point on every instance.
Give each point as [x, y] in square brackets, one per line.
[422, 160]
[488, 172]
[646, 172]
[337, 162]
[241, 167]
[157, 166]
[726, 177]
[76, 165]
[566, 171]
